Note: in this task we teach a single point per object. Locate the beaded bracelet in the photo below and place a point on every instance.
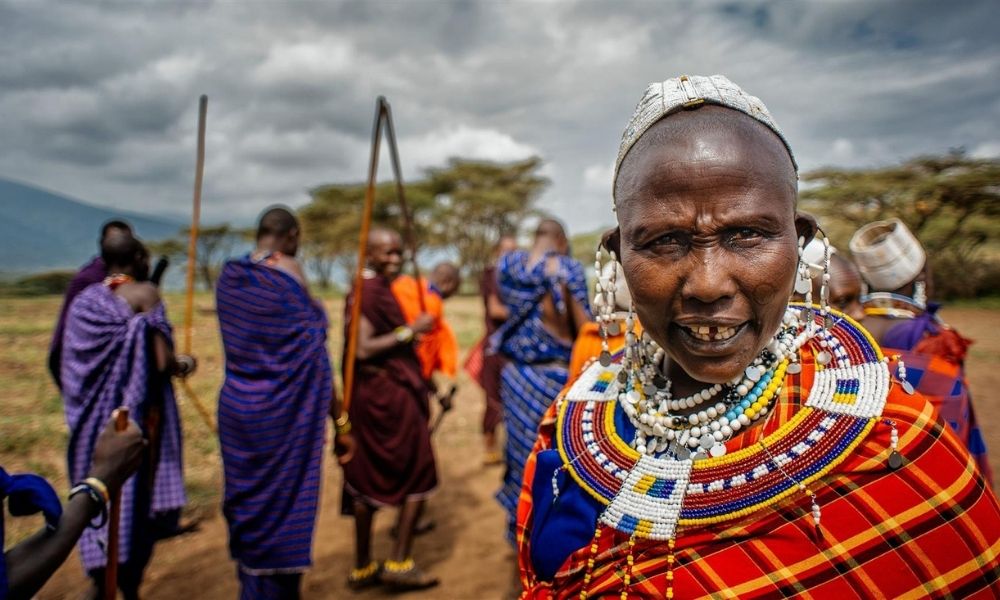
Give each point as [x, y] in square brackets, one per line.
[95, 495]
[100, 487]
[342, 424]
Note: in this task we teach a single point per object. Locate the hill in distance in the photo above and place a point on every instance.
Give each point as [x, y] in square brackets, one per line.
[44, 231]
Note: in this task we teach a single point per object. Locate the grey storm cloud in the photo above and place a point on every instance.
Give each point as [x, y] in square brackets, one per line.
[99, 99]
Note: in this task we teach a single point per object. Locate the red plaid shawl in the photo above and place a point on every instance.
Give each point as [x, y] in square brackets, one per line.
[928, 530]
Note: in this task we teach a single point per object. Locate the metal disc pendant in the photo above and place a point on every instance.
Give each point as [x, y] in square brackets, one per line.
[752, 373]
[622, 377]
[907, 387]
[605, 359]
[706, 441]
[614, 328]
[895, 460]
[824, 358]
[682, 453]
[717, 450]
[794, 368]
[649, 389]
[802, 285]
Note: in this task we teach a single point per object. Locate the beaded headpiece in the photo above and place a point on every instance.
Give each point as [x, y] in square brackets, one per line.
[684, 92]
[887, 254]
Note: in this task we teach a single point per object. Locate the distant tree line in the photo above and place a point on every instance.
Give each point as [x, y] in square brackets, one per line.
[951, 202]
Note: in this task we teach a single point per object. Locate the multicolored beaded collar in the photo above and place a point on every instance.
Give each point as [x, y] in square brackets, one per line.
[649, 497]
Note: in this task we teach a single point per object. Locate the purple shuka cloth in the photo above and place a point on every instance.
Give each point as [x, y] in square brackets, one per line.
[93, 272]
[272, 415]
[106, 364]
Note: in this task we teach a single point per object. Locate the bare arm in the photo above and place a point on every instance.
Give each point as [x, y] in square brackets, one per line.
[33, 561]
[370, 345]
[577, 312]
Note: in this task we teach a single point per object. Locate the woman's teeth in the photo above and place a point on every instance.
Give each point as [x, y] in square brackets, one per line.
[712, 334]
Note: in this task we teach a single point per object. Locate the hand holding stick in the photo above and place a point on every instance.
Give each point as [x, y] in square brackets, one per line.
[111, 569]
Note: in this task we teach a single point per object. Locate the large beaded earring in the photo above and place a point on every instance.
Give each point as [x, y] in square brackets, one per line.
[920, 294]
[604, 303]
[824, 292]
[803, 284]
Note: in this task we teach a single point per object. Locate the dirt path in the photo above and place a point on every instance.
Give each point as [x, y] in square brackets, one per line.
[467, 551]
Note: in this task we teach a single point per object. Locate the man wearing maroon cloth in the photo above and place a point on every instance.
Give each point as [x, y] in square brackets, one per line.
[489, 377]
[93, 272]
[393, 464]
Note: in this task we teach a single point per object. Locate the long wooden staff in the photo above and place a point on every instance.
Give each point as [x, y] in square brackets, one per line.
[199, 171]
[114, 516]
[411, 240]
[383, 116]
[351, 351]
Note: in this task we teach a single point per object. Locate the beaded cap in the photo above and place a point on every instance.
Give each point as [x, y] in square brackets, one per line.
[679, 93]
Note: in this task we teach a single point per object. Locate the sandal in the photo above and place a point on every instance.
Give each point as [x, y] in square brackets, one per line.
[365, 577]
[405, 576]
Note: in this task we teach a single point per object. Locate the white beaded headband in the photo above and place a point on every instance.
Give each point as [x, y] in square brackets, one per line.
[678, 93]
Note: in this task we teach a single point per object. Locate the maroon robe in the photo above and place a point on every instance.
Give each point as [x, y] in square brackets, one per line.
[389, 411]
[489, 377]
[93, 272]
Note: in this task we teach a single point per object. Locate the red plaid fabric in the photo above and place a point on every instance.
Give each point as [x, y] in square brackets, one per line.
[474, 362]
[942, 382]
[930, 529]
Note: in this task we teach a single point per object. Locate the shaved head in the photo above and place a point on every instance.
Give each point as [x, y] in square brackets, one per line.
[446, 278]
[385, 252]
[382, 235]
[551, 235]
[278, 231]
[276, 221]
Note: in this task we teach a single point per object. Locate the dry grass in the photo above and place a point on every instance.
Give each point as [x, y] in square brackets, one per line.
[32, 426]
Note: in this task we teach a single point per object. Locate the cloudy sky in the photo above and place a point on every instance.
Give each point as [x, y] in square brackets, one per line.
[99, 100]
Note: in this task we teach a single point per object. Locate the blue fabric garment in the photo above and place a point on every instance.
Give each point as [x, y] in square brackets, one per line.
[281, 586]
[909, 332]
[562, 525]
[521, 287]
[273, 407]
[25, 495]
[537, 370]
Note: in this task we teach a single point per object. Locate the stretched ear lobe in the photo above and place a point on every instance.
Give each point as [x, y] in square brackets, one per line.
[611, 240]
[805, 226]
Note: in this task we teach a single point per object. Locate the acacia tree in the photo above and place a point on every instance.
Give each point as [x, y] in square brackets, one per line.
[950, 202]
[465, 207]
[479, 201]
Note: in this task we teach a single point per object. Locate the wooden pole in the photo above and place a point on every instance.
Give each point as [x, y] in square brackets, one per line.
[199, 171]
[411, 240]
[114, 516]
[350, 354]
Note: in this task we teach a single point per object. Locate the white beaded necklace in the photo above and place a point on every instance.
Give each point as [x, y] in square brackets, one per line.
[653, 411]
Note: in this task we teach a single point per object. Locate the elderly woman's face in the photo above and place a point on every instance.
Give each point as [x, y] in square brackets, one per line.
[708, 240]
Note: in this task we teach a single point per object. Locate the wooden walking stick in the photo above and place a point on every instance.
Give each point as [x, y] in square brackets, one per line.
[114, 515]
[411, 240]
[383, 117]
[199, 171]
[350, 353]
